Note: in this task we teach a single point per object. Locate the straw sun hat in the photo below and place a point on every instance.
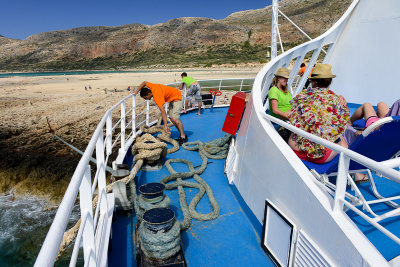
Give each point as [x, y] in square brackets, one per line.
[283, 72]
[322, 71]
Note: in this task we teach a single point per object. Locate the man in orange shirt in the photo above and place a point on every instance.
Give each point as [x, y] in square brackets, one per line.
[303, 68]
[163, 94]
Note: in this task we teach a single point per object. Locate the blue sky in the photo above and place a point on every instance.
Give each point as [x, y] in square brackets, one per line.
[22, 18]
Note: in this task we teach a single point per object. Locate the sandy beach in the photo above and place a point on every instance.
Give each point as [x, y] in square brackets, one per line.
[30, 106]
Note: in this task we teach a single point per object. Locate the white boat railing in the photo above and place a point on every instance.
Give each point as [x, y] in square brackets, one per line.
[343, 178]
[95, 226]
[259, 95]
[236, 84]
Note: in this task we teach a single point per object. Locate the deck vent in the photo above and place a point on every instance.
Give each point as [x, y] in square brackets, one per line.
[230, 163]
[307, 253]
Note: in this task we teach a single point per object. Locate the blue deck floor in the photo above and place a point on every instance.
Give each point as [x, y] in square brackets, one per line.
[233, 239]
[387, 247]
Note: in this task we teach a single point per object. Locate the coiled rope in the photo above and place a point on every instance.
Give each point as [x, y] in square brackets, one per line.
[143, 151]
[165, 245]
[217, 149]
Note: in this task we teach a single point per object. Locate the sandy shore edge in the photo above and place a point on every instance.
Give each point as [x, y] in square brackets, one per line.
[32, 164]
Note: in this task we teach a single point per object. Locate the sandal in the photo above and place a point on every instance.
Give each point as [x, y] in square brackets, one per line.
[181, 140]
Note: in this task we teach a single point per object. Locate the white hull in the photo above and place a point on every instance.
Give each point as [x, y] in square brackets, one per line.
[363, 51]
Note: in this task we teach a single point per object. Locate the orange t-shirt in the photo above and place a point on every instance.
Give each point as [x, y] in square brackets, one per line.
[311, 72]
[302, 70]
[163, 93]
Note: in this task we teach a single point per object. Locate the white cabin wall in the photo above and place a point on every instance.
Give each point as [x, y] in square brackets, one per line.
[366, 57]
[269, 169]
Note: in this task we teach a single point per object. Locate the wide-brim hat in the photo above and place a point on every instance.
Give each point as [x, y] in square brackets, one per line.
[322, 71]
[283, 72]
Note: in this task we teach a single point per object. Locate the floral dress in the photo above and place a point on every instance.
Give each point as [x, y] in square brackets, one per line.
[317, 111]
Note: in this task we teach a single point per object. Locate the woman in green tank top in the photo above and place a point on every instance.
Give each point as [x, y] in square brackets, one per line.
[279, 95]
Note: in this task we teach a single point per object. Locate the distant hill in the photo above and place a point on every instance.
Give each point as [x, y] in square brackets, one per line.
[242, 37]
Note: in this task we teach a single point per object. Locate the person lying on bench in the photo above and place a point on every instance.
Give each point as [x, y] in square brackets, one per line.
[367, 112]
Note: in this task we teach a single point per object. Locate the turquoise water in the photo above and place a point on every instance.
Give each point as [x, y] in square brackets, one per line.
[56, 73]
[84, 72]
[23, 227]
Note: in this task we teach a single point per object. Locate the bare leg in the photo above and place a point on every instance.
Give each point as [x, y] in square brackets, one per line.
[364, 111]
[383, 109]
[199, 103]
[186, 106]
[178, 124]
[360, 177]
[342, 143]
[358, 114]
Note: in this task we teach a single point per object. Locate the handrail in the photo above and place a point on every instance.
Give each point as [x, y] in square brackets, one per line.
[51, 244]
[103, 145]
[259, 95]
[378, 167]
[220, 86]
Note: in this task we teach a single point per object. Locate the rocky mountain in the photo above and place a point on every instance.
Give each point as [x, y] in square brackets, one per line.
[241, 37]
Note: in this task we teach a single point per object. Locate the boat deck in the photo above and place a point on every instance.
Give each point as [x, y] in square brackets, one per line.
[386, 246]
[233, 239]
[387, 188]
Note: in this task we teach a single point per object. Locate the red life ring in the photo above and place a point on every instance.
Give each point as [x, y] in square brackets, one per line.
[215, 92]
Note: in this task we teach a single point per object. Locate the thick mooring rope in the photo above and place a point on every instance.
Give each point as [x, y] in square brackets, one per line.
[143, 151]
[216, 149]
[165, 245]
[159, 245]
[162, 136]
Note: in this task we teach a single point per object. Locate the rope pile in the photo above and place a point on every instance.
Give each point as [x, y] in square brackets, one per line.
[160, 245]
[165, 245]
[142, 152]
[162, 136]
[148, 147]
[216, 149]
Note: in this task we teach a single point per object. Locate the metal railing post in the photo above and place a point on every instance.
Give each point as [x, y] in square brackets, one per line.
[184, 95]
[85, 202]
[341, 182]
[134, 116]
[309, 68]
[294, 72]
[102, 173]
[241, 85]
[109, 134]
[123, 125]
[219, 88]
[147, 112]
